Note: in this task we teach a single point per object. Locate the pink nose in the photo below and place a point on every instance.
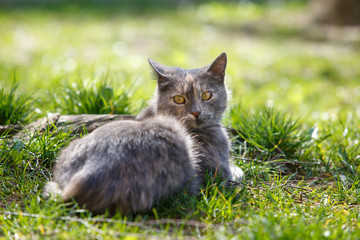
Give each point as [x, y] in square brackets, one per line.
[196, 114]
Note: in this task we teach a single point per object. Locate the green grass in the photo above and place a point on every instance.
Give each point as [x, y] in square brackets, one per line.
[94, 97]
[26, 163]
[14, 108]
[294, 109]
[271, 134]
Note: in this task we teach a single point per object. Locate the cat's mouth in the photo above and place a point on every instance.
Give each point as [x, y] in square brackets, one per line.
[192, 122]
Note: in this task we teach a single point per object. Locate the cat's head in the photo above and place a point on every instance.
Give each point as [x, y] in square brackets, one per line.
[195, 96]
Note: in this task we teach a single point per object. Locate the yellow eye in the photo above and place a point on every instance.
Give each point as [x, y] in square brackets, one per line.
[206, 95]
[179, 99]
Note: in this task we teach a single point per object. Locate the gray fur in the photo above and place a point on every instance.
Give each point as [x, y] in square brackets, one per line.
[126, 165]
[209, 136]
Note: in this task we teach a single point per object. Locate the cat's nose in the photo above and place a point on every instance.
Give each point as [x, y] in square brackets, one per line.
[196, 114]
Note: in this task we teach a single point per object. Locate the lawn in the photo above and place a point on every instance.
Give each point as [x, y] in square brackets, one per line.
[294, 113]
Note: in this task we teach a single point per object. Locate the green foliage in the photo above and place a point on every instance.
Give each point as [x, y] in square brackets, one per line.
[343, 144]
[301, 173]
[269, 133]
[268, 136]
[282, 208]
[14, 107]
[339, 149]
[24, 163]
[94, 97]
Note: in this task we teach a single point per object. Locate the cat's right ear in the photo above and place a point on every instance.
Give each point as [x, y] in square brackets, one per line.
[219, 65]
[158, 70]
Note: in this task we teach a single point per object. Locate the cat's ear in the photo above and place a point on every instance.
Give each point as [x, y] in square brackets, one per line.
[219, 65]
[159, 70]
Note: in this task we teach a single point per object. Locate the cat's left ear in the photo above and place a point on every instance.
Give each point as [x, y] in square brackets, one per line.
[219, 65]
[159, 70]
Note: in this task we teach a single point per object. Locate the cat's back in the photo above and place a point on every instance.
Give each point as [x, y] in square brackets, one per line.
[127, 164]
[159, 127]
[128, 136]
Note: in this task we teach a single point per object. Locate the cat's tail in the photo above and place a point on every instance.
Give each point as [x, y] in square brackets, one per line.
[85, 191]
[52, 190]
[73, 188]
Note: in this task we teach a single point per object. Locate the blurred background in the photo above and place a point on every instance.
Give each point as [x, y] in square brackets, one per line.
[299, 56]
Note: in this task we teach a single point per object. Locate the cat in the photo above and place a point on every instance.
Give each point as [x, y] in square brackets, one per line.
[171, 146]
[198, 98]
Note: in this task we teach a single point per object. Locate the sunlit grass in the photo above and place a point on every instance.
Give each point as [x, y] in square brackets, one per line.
[15, 108]
[273, 134]
[301, 156]
[342, 144]
[304, 76]
[92, 97]
[26, 163]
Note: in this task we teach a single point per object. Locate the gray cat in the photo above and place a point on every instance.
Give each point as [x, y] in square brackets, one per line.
[198, 98]
[172, 144]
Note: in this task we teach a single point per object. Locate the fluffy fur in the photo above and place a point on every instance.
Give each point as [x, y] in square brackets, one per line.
[126, 165]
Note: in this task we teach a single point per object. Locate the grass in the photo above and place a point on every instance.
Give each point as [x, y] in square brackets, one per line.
[92, 98]
[294, 109]
[14, 107]
[272, 134]
[25, 163]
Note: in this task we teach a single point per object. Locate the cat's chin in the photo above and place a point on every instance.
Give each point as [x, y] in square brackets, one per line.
[195, 124]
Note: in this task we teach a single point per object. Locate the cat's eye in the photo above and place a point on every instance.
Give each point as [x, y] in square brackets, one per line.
[206, 95]
[179, 99]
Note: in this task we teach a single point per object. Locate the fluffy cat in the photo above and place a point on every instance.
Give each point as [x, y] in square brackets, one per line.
[198, 98]
[172, 144]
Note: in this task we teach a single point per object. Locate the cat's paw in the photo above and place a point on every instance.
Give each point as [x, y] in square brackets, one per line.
[237, 174]
[51, 190]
